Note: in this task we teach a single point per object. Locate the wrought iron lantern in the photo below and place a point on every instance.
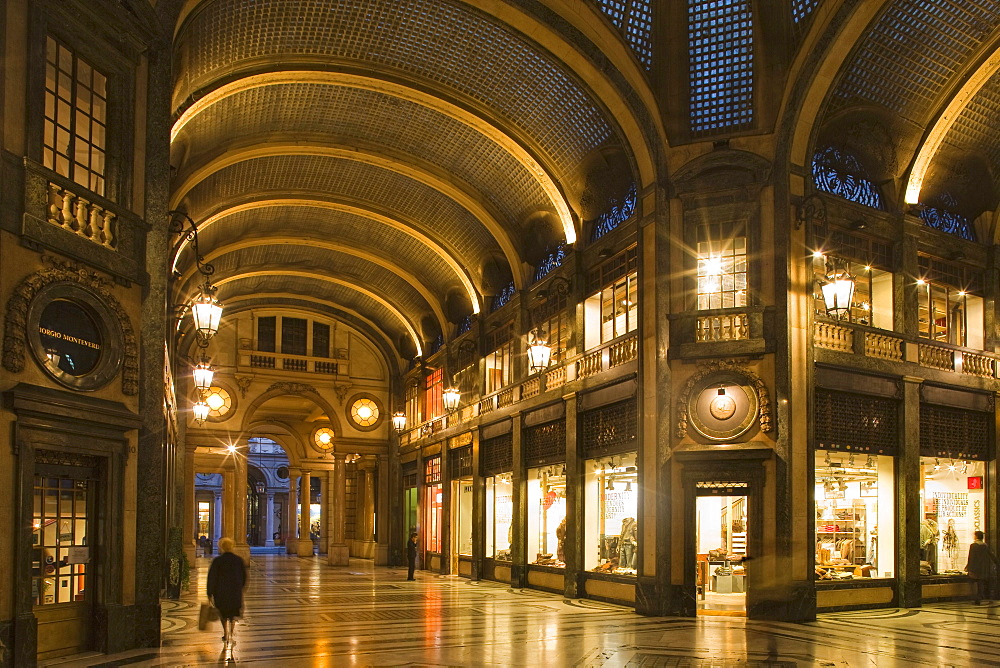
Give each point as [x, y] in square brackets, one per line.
[207, 313]
[451, 398]
[838, 290]
[539, 351]
[203, 374]
[399, 421]
[200, 411]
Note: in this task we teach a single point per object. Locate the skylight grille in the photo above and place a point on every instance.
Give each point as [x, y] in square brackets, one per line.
[720, 48]
[634, 20]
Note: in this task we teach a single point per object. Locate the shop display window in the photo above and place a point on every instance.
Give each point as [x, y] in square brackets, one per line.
[433, 504]
[60, 551]
[611, 496]
[462, 502]
[953, 498]
[547, 516]
[499, 516]
[855, 524]
[204, 517]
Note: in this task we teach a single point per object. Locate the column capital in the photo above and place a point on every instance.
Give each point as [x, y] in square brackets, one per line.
[294, 472]
[366, 464]
[912, 379]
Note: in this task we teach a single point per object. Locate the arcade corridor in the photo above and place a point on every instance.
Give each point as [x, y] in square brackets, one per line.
[303, 613]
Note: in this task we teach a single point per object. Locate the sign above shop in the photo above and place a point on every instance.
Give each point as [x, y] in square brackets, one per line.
[71, 339]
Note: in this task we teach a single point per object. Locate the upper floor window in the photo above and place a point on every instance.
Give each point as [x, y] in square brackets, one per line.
[554, 323]
[434, 394]
[840, 173]
[498, 361]
[74, 139]
[412, 404]
[612, 309]
[293, 333]
[722, 268]
[947, 311]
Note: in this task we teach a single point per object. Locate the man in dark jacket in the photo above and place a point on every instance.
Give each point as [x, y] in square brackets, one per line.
[411, 555]
[980, 566]
[227, 576]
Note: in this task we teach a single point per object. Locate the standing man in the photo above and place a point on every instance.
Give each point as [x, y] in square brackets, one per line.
[411, 554]
[980, 566]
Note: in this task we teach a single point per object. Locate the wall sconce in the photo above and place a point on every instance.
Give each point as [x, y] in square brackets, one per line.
[205, 309]
[838, 290]
[203, 374]
[200, 411]
[539, 351]
[399, 421]
[451, 398]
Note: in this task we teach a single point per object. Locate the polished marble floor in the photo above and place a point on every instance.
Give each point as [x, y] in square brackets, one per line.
[300, 612]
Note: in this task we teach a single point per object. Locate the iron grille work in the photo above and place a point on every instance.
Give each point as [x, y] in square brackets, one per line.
[409, 480]
[616, 215]
[60, 458]
[948, 221]
[609, 429]
[545, 443]
[432, 470]
[460, 463]
[502, 299]
[862, 423]
[956, 433]
[634, 20]
[497, 455]
[841, 174]
[552, 261]
[721, 69]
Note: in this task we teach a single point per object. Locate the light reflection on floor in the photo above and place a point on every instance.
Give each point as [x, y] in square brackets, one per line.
[301, 612]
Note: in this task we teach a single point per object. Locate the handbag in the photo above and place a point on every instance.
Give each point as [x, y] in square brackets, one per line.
[207, 613]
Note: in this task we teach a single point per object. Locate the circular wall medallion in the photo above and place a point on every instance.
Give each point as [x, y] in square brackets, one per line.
[74, 336]
[323, 439]
[723, 406]
[365, 411]
[282, 473]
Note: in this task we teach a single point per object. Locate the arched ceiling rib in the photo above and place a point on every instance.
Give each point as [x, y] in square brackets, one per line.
[349, 106]
[370, 267]
[350, 295]
[348, 222]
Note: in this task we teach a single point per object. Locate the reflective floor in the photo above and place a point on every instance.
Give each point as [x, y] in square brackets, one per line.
[300, 612]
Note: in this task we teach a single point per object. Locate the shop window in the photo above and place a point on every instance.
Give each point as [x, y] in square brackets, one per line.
[855, 522]
[611, 496]
[949, 315]
[434, 394]
[499, 516]
[872, 302]
[462, 511]
[953, 498]
[547, 516]
[59, 539]
[613, 311]
[76, 106]
[204, 518]
[433, 504]
[498, 368]
[722, 273]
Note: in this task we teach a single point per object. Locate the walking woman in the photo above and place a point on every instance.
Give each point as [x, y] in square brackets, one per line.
[226, 579]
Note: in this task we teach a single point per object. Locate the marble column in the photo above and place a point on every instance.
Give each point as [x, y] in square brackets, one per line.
[366, 508]
[291, 508]
[382, 513]
[190, 508]
[240, 546]
[573, 547]
[227, 504]
[324, 511]
[909, 509]
[304, 546]
[519, 521]
[339, 554]
[217, 519]
[269, 521]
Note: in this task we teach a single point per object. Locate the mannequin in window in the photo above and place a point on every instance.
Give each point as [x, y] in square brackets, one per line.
[627, 543]
[928, 541]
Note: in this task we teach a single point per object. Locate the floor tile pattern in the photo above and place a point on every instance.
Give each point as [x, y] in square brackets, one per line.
[300, 612]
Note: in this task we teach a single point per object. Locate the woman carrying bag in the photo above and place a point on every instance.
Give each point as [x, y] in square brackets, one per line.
[227, 577]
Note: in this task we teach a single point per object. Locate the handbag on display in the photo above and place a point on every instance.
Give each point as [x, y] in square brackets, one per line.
[207, 613]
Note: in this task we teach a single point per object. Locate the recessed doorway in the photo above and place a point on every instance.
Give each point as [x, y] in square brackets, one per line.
[721, 537]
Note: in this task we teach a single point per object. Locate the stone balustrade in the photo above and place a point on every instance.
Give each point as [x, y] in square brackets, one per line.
[75, 214]
[883, 346]
[833, 337]
[936, 357]
[727, 327]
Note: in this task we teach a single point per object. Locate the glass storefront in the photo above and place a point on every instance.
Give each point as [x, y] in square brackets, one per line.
[953, 501]
[855, 525]
[433, 505]
[462, 516]
[204, 518]
[499, 516]
[611, 497]
[547, 516]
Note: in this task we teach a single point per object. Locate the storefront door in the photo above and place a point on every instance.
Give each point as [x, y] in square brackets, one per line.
[721, 539]
[62, 577]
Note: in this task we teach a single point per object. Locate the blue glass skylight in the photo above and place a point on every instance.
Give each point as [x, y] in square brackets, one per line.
[551, 261]
[634, 20]
[616, 215]
[720, 51]
[841, 174]
[504, 297]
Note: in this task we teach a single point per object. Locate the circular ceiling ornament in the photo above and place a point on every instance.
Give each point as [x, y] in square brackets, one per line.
[323, 439]
[220, 402]
[723, 406]
[366, 412]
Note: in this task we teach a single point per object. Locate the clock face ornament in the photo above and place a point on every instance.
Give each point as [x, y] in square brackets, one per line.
[723, 407]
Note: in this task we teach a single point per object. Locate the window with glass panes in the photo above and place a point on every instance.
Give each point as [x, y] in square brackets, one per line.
[433, 394]
[554, 322]
[947, 309]
[498, 362]
[74, 139]
[60, 541]
[722, 267]
[871, 304]
[613, 306]
[412, 403]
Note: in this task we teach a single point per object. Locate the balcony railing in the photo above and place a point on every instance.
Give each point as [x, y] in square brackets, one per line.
[257, 359]
[844, 337]
[723, 327]
[609, 356]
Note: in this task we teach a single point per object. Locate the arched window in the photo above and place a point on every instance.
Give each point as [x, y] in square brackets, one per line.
[944, 218]
[841, 174]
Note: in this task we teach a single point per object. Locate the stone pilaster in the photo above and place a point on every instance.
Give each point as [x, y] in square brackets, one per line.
[269, 521]
[382, 513]
[909, 511]
[519, 505]
[339, 553]
[240, 545]
[304, 546]
[291, 508]
[572, 583]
